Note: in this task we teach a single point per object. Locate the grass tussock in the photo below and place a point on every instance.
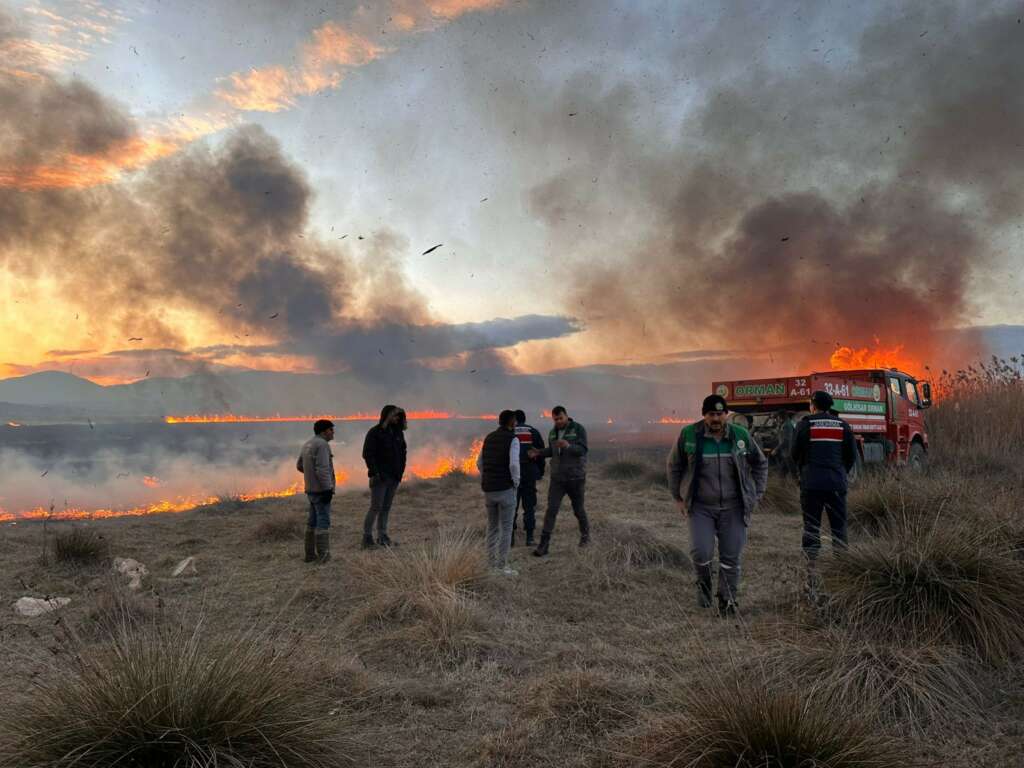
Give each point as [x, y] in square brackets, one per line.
[172, 699]
[423, 597]
[280, 527]
[79, 546]
[634, 545]
[781, 497]
[626, 469]
[742, 721]
[583, 702]
[116, 610]
[932, 581]
[915, 687]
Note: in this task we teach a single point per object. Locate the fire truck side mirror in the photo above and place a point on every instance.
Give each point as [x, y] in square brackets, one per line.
[926, 394]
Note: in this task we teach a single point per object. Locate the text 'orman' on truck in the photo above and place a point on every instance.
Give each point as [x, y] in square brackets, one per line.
[883, 406]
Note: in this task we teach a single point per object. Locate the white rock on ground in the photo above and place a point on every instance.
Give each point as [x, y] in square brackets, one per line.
[37, 606]
[133, 569]
[186, 567]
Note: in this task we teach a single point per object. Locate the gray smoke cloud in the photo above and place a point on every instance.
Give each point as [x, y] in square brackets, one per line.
[833, 199]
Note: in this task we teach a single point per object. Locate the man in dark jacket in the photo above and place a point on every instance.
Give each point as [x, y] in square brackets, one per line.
[567, 449]
[717, 474]
[532, 471]
[498, 463]
[824, 451]
[384, 452]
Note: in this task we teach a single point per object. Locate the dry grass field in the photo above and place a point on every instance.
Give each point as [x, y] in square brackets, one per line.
[596, 657]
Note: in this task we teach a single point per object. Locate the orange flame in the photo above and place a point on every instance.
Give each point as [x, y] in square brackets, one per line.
[13, 424]
[151, 482]
[879, 356]
[447, 465]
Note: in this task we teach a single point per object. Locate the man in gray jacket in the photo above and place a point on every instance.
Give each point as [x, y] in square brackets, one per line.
[717, 474]
[316, 463]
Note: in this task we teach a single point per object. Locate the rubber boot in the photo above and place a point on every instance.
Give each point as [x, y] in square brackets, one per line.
[368, 542]
[727, 609]
[310, 545]
[704, 586]
[385, 541]
[542, 548]
[529, 537]
[584, 533]
[323, 545]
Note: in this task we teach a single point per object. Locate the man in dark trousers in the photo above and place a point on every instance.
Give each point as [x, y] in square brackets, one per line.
[824, 451]
[316, 463]
[384, 452]
[498, 463]
[532, 470]
[717, 473]
[567, 449]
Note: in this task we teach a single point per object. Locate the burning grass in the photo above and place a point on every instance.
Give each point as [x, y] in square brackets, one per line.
[172, 698]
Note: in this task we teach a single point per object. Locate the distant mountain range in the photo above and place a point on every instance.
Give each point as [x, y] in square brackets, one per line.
[636, 393]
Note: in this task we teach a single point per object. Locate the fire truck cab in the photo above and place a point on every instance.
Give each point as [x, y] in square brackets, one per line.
[884, 407]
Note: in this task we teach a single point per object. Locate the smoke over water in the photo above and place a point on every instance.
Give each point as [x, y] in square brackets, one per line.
[849, 198]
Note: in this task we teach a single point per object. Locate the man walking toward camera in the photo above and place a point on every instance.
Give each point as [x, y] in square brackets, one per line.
[717, 474]
[316, 463]
[531, 470]
[498, 463]
[825, 451]
[384, 452]
[567, 449]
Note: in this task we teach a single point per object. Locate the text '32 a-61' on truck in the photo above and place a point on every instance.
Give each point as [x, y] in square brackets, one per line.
[883, 406]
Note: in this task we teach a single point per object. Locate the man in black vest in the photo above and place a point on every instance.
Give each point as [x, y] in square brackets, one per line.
[824, 450]
[498, 463]
[532, 470]
[384, 452]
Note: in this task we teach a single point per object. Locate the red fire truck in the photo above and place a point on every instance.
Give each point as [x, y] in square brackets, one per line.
[883, 406]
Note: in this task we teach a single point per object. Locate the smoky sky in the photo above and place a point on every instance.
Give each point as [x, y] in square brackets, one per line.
[219, 229]
[821, 201]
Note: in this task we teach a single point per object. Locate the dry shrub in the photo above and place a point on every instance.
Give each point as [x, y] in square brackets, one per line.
[743, 721]
[117, 610]
[781, 496]
[171, 698]
[280, 527]
[886, 498]
[634, 545]
[626, 469]
[916, 686]
[938, 580]
[582, 702]
[423, 596]
[79, 546]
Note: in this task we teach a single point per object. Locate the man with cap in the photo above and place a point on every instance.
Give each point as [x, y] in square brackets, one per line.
[532, 471]
[824, 451]
[717, 474]
[316, 463]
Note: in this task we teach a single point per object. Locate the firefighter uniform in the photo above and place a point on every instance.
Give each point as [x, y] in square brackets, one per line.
[824, 450]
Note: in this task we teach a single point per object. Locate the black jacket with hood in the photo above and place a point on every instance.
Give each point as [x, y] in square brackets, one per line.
[384, 449]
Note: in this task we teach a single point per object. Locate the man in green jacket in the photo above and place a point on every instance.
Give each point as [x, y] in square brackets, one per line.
[717, 474]
[567, 449]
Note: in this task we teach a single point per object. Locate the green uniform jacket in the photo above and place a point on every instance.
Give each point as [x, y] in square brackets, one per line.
[568, 463]
[750, 464]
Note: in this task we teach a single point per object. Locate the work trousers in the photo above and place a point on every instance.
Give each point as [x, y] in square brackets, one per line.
[319, 510]
[527, 498]
[382, 493]
[558, 490]
[814, 503]
[501, 507]
[726, 524]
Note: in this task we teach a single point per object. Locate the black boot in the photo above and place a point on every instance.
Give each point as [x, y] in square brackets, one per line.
[704, 586]
[727, 609]
[584, 535]
[368, 542]
[385, 541]
[545, 542]
[529, 537]
[310, 545]
[323, 546]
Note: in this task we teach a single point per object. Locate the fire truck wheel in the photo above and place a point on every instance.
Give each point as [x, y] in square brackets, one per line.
[917, 459]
